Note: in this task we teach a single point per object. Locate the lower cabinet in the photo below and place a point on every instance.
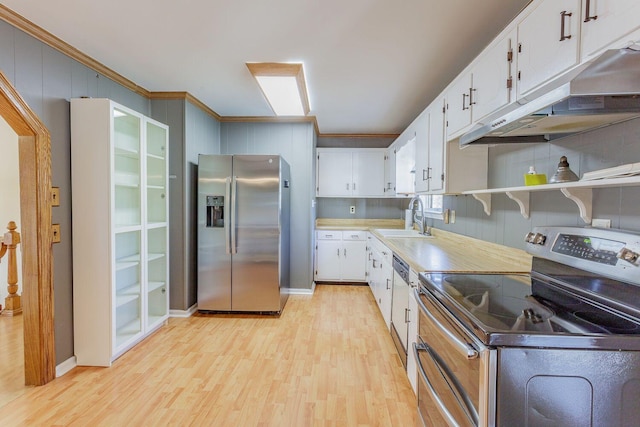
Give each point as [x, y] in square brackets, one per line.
[341, 255]
[412, 370]
[381, 277]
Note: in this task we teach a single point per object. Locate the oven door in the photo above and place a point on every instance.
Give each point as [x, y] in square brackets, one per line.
[454, 374]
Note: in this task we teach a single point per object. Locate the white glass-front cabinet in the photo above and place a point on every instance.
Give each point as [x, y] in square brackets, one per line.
[120, 228]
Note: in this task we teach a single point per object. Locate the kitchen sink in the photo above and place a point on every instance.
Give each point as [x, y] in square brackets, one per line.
[400, 232]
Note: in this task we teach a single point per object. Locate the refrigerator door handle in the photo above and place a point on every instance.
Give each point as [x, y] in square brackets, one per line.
[227, 222]
[234, 203]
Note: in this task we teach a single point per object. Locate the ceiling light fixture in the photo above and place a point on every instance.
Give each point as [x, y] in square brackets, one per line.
[283, 85]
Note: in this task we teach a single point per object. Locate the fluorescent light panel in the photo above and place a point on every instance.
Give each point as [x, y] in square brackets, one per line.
[284, 87]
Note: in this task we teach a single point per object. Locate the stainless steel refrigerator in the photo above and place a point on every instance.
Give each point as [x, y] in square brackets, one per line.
[243, 233]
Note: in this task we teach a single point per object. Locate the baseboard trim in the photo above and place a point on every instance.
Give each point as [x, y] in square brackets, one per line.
[302, 291]
[66, 366]
[184, 313]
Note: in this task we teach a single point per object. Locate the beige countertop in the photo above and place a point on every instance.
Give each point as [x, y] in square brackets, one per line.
[444, 251]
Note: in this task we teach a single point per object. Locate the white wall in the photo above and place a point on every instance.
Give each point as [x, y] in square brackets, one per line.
[9, 198]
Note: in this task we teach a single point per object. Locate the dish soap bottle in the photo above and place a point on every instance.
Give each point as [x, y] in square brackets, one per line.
[534, 178]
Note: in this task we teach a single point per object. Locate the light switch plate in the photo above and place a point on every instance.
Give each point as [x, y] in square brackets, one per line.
[55, 230]
[55, 196]
[601, 223]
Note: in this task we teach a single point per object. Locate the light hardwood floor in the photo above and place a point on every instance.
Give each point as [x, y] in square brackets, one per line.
[327, 361]
[11, 359]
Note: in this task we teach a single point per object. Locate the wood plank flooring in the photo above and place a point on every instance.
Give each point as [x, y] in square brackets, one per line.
[327, 361]
[11, 359]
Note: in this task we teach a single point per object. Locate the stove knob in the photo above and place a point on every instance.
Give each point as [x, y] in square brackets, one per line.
[529, 237]
[539, 239]
[628, 255]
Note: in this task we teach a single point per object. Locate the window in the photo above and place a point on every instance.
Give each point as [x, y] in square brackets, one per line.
[433, 206]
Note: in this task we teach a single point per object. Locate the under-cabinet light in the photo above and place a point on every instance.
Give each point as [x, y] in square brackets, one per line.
[283, 86]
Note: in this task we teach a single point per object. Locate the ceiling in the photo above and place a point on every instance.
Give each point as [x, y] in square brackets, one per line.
[371, 65]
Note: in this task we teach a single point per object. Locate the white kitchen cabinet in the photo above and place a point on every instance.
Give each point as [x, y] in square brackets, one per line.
[346, 172]
[406, 163]
[334, 173]
[382, 278]
[548, 43]
[341, 256]
[120, 228]
[482, 88]
[390, 171]
[605, 22]
[436, 144]
[412, 371]
[422, 162]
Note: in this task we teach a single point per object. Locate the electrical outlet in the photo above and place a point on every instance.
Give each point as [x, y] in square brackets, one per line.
[601, 223]
[352, 209]
[452, 217]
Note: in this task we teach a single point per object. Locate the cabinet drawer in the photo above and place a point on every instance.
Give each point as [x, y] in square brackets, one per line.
[354, 235]
[328, 235]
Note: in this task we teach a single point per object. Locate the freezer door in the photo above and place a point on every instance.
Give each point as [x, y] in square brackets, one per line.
[214, 232]
[255, 239]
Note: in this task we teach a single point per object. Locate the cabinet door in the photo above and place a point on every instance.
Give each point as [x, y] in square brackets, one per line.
[605, 21]
[458, 107]
[390, 172]
[548, 43]
[386, 290]
[353, 261]
[406, 164]
[157, 268]
[492, 78]
[422, 152]
[328, 260]
[368, 173]
[334, 174]
[412, 371]
[436, 148]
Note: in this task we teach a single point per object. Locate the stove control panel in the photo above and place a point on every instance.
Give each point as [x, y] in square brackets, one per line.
[594, 249]
[607, 252]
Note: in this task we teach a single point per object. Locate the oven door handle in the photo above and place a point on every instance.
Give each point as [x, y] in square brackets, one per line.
[417, 348]
[465, 348]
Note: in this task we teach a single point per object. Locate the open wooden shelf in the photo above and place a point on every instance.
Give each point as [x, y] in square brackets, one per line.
[580, 192]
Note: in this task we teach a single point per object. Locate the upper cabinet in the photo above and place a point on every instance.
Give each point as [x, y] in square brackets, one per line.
[605, 22]
[483, 87]
[390, 171]
[344, 172]
[548, 42]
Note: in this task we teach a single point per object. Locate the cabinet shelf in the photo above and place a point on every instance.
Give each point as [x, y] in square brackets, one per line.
[125, 299]
[580, 192]
[153, 286]
[126, 152]
[155, 156]
[154, 256]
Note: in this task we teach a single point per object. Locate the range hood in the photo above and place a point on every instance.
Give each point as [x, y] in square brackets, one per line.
[607, 91]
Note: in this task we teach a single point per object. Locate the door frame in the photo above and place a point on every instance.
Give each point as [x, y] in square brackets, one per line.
[34, 151]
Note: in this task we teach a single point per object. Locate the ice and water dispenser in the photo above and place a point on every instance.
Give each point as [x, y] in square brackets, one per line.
[215, 211]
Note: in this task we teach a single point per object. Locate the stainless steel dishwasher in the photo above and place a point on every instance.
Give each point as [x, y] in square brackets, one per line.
[400, 307]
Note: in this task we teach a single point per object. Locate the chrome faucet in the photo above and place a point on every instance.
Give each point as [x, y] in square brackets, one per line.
[420, 222]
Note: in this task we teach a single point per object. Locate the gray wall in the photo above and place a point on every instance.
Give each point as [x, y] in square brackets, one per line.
[606, 147]
[192, 132]
[47, 79]
[295, 142]
[390, 208]
[354, 142]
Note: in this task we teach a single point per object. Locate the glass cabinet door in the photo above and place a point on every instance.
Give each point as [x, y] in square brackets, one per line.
[127, 164]
[128, 274]
[156, 174]
[157, 297]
